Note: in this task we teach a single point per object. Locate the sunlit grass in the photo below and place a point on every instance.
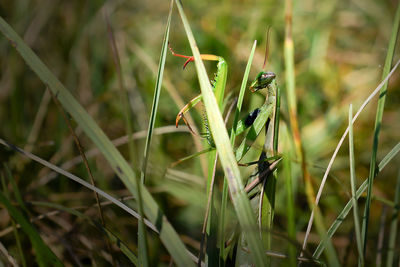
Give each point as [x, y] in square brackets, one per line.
[337, 58]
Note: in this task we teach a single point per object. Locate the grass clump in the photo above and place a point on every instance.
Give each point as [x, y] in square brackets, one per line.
[253, 198]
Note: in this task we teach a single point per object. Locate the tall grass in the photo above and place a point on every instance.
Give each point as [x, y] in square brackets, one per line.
[103, 71]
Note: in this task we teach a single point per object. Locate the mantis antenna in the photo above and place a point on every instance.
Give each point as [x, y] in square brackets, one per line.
[266, 48]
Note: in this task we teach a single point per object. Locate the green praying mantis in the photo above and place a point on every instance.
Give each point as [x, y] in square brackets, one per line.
[266, 115]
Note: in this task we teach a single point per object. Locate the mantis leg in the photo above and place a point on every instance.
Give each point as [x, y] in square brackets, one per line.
[219, 84]
[181, 114]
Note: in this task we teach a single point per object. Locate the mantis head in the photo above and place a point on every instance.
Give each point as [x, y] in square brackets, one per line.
[262, 81]
[264, 78]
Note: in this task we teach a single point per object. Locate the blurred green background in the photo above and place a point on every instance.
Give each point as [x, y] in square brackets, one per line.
[340, 47]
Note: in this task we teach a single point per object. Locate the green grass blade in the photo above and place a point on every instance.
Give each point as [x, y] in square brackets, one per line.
[194, 155]
[168, 235]
[124, 97]
[239, 198]
[113, 238]
[224, 200]
[343, 214]
[267, 204]
[20, 202]
[44, 255]
[143, 256]
[78, 180]
[242, 91]
[290, 207]
[353, 188]
[156, 97]
[212, 223]
[378, 123]
[393, 225]
[330, 164]
[277, 117]
[289, 56]
[389, 157]
[15, 189]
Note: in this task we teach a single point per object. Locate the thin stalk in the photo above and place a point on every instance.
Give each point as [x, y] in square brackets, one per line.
[353, 188]
[267, 196]
[330, 164]
[14, 225]
[294, 125]
[378, 123]
[393, 225]
[343, 214]
[240, 201]
[379, 246]
[142, 240]
[207, 219]
[232, 139]
[287, 172]
[167, 233]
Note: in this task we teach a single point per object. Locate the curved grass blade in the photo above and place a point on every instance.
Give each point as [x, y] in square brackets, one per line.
[296, 136]
[18, 197]
[112, 237]
[143, 256]
[342, 215]
[378, 123]
[239, 198]
[234, 132]
[44, 255]
[124, 96]
[79, 181]
[157, 91]
[393, 225]
[168, 235]
[330, 164]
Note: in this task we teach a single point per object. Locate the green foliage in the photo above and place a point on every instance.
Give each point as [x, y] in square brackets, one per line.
[335, 60]
[44, 255]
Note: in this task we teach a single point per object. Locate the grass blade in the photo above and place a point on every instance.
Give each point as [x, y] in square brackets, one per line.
[143, 256]
[156, 97]
[212, 223]
[242, 91]
[343, 214]
[290, 207]
[353, 188]
[378, 123]
[239, 198]
[330, 164]
[298, 146]
[267, 194]
[113, 238]
[78, 180]
[20, 202]
[393, 225]
[168, 235]
[389, 157]
[232, 138]
[124, 98]
[44, 255]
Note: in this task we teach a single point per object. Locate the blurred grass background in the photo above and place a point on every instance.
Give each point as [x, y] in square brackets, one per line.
[340, 47]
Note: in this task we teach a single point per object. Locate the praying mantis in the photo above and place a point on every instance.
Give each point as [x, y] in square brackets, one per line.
[265, 116]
